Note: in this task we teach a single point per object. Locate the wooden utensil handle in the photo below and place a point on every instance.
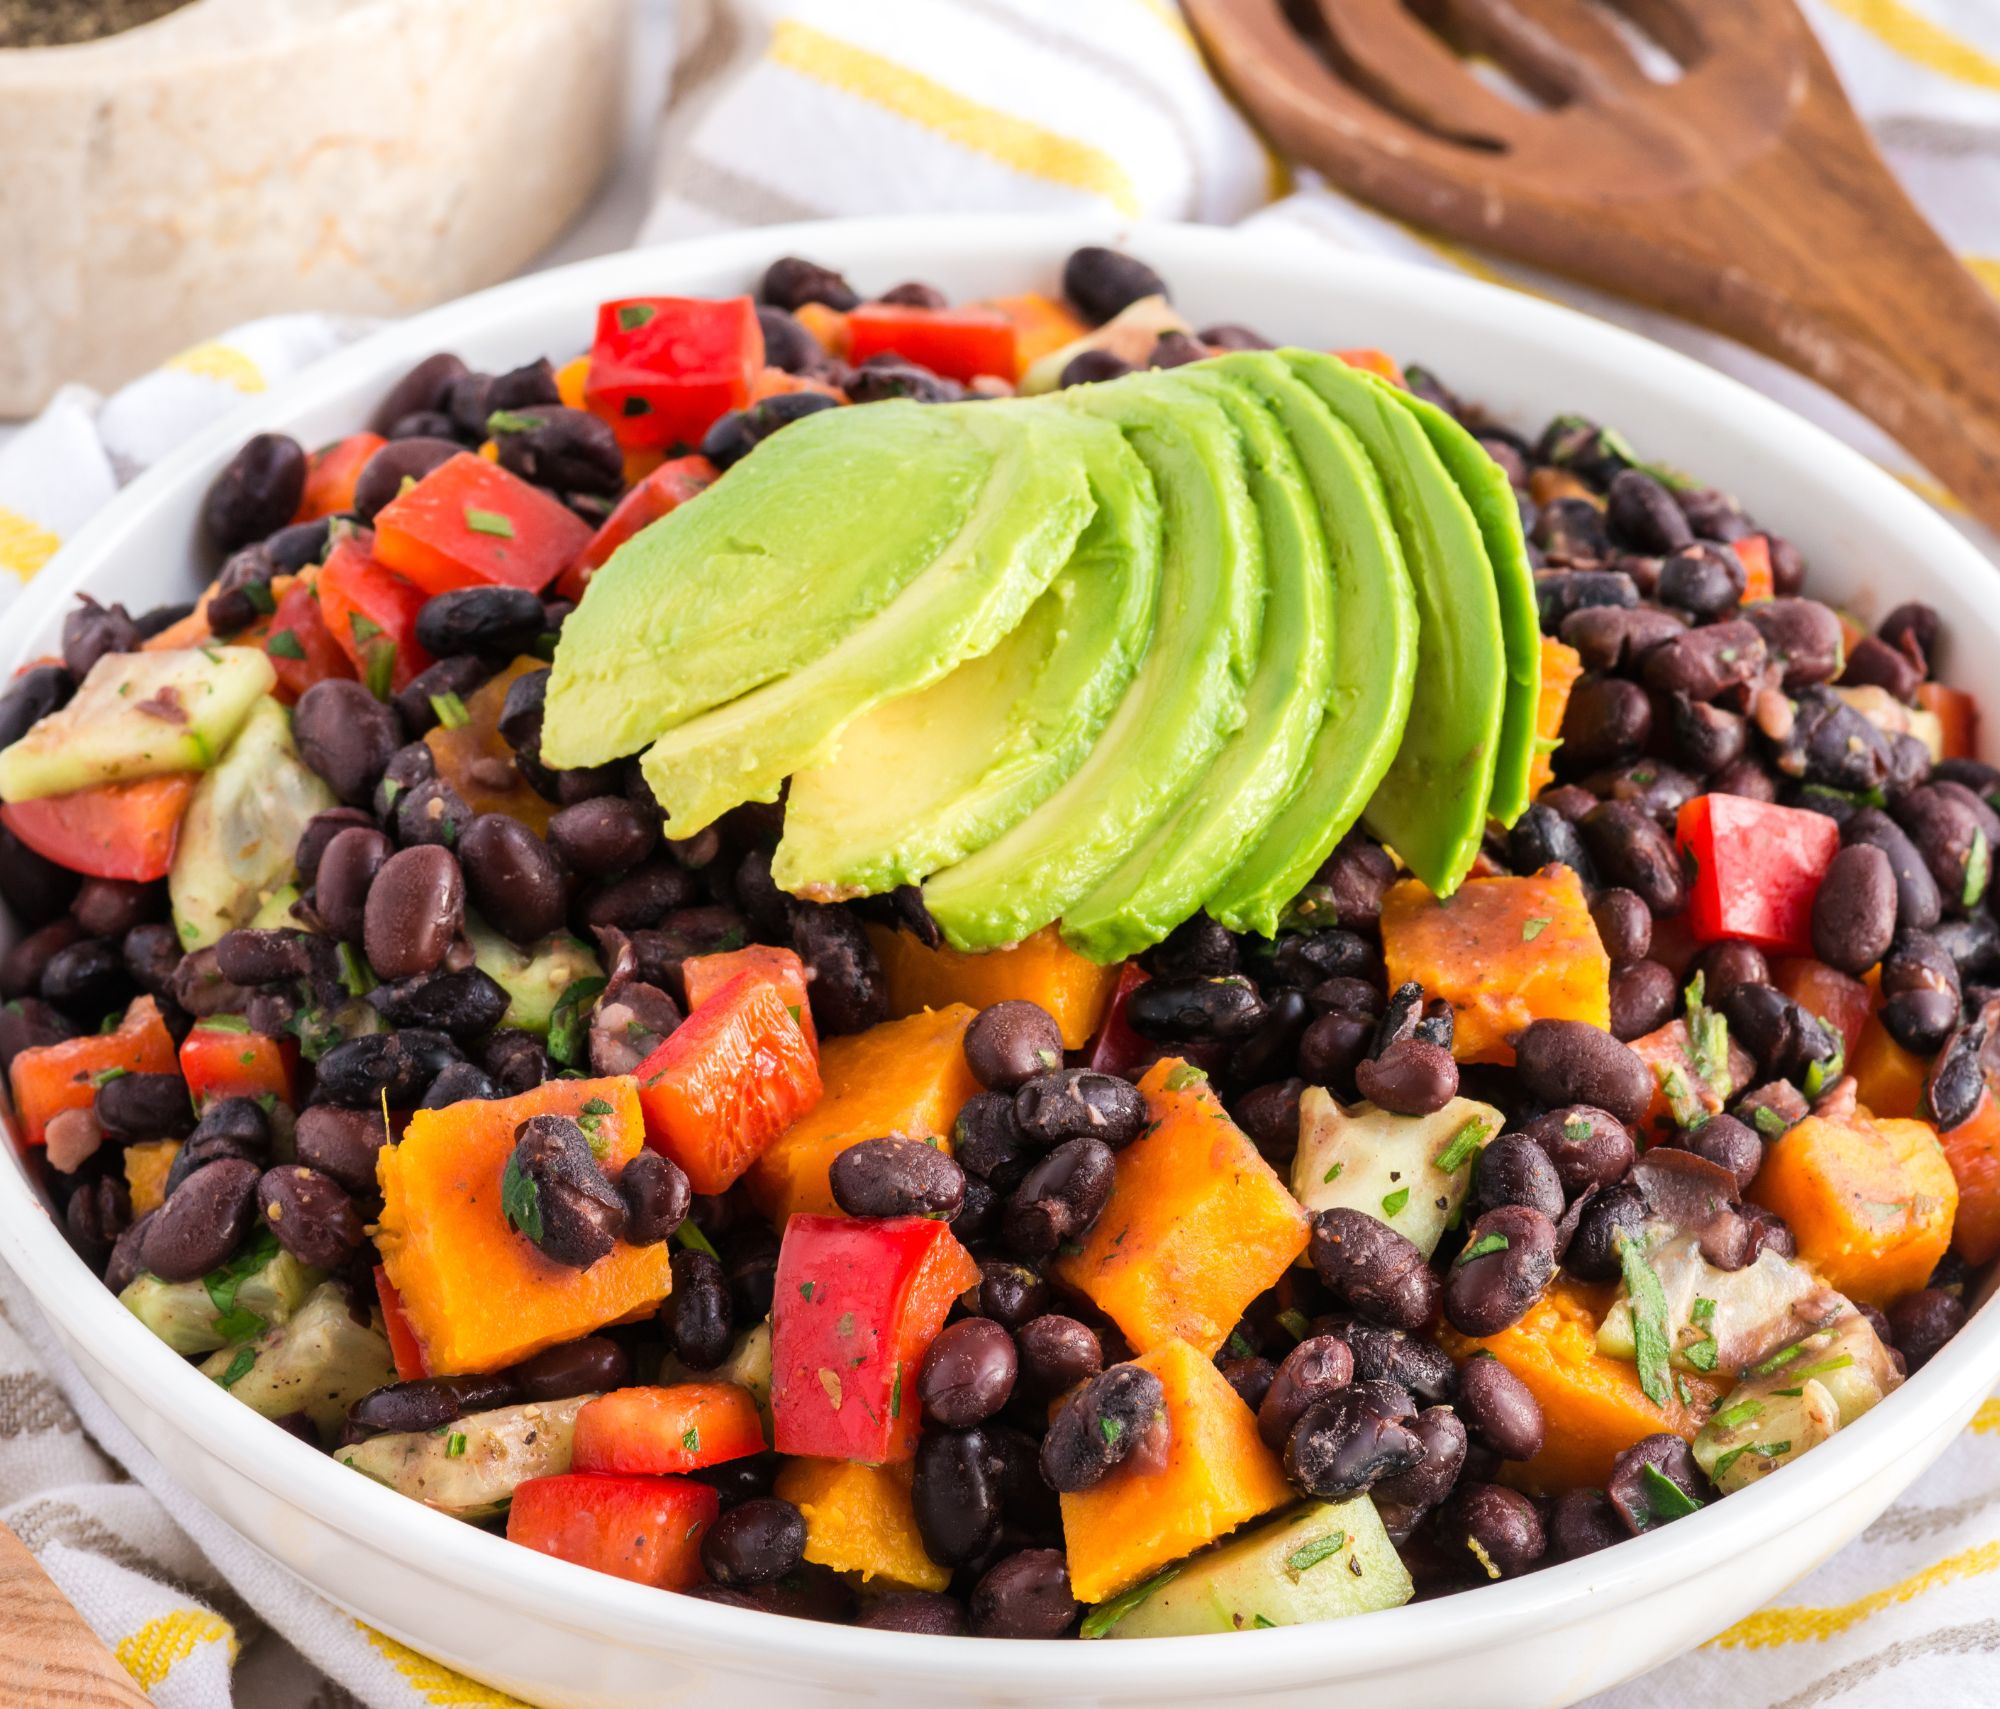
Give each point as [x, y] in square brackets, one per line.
[48, 1657]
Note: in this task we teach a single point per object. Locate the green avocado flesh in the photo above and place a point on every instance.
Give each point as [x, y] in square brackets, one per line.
[1485, 487]
[1163, 880]
[1031, 513]
[975, 753]
[1184, 702]
[1431, 805]
[1374, 656]
[763, 572]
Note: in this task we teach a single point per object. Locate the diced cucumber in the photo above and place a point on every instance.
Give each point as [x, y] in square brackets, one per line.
[1131, 334]
[471, 1468]
[242, 829]
[1366, 1159]
[319, 1362]
[139, 715]
[1326, 1561]
[227, 1306]
[536, 978]
[276, 912]
[1781, 1428]
[1723, 1319]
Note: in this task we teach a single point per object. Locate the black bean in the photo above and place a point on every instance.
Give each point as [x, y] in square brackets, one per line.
[1079, 1103]
[203, 1221]
[512, 877]
[256, 955]
[494, 622]
[1705, 579]
[1706, 739]
[888, 376]
[1302, 960]
[1629, 849]
[1101, 1425]
[967, 1373]
[1624, 924]
[1508, 1259]
[1055, 1353]
[565, 450]
[122, 1268]
[345, 735]
[1010, 1043]
[1949, 826]
[1500, 1409]
[1874, 663]
[1571, 531]
[1918, 903]
[520, 722]
[347, 871]
[1643, 998]
[1103, 282]
[1785, 1038]
[1832, 745]
[1912, 628]
[1025, 1595]
[606, 835]
[1087, 367]
[311, 1214]
[427, 1403]
[31, 697]
[1561, 594]
[790, 283]
[787, 344]
[956, 1494]
[359, 1071]
[1333, 1047]
[754, 1542]
[1581, 1522]
[34, 887]
[318, 837]
[1404, 1498]
[1011, 1293]
[1614, 1213]
[988, 1143]
[1921, 1323]
[145, 1106]
[519, 388]
[1629, 1488]
[592, 1365]
[643, 897]
[27, 1023]
[1342, 1446]
[698, 1315]
[1198, 948]
[86, 978]
[1854, 911]
[1188, 1010]
[1642, 516]
[927, 1612]
[465, 1004]
[257, 492]
[1269, 1115]
[1724, 966]
[1405, 1358]
[1616, 638]
[1544, 837]
[1729, 1144]
[415, 909]
[1701, 663]
[657, 1196]
[849, 993]
[1498, 1527]
[1573, 1062]
[1608, 720]
[422, 388]
[28, 959]
[1310, 1372]
[1059, 1199]
[97, 1214]
[735, 435]
[1920, 1021]
[1372, 1269]
[1412, 1077]
[1514, 1170]
[557, 1196]
[897, 1177]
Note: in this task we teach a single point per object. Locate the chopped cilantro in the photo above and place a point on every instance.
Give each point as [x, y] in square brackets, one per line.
[1296, 1324]
[691, 1439]
[1463, 1147]
[1393, 1203]
[1184, 1076]
[896, 1392]
[1333, 1172]
[520, 1202]
[1110, 1429]
[1978, 868]
[1107, 1614]
[510, 421]
[450, 710]
[1648, 1303]
[239, 1367]
[1309, 1555]
[489, 522]
[569, 1025]
[1777, 1361]
[1665, 1499]
[690, 1236]
[1533, 927]
[1484, 1247]
[283, 644]
[1741, 1413]
[1768, 1122]
[632, 316]
[1763, 1450]
[455, 1444]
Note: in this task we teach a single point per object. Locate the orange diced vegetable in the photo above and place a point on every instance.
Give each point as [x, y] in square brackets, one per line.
[476, 760]
[469, 523]
[1561, 666]
[776, 383]
[1374, 362]
[51, 1078]
[1870, 1203]
[331, 473]
[781, 969]
[1843, 1003]
[1043, 969]
[189, 631]
[1684, 1086]
[1889, 1080]
[677, 1427]
[1217, 1475]
[573, 382]
[1197, 1225]
[478, 1295]
[1958, 719]
[117, 830]
[827, 325]
[1753, 552]
[1503, 952]
[146, 1168]
[1041, 324]
[1973, 1151]
[903, 1079]
[1592, 1406]
[859, 1520]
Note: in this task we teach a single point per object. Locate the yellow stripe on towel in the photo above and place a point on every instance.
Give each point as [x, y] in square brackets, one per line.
[1904, 30]
[219, 362]
[437, 1684]
[1772, 1627]
[24, 546]
[150, 1653]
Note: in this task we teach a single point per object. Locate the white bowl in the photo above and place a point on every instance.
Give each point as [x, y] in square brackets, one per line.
[571, 1639]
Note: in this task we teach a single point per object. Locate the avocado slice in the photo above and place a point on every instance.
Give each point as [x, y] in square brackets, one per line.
[1431, 804]
[1324, 1562]
[765, 570]
[1183, 702]
[976, 752]
[1374, 656]
[1487, 491]
[1163, 880]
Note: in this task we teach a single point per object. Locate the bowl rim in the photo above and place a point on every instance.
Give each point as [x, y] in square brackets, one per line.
[607, 1608]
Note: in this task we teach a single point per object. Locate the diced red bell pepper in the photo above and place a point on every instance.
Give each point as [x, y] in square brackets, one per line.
[1958, 719]
[51, 1078]
[222, 1058]
[117, 830]
[470, 523]
[648, 1530]
[1756, 870]
[331, 472]
[1753, 552]
[667, 488]
[857, 1302]
[960, 344]
[663, 369]
[1117, 1049]
[405, 1349]
[302, 648]
[372, 614]
[726, 1082]
[679, 1427]
[704, 975]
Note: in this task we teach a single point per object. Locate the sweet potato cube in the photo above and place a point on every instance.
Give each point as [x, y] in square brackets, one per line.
[1681, 1086]
[1503, 952]
[1870, 1203]
[904, 1079]
[1889, 1079]
[1560, 669]
[50, 1079]
[478, 1295]
[1042, 969]
[1218, 1474]
[1973, 1150]
[1197, 1226]
[147, 1165]
[859, 1520]
[1591, 1403]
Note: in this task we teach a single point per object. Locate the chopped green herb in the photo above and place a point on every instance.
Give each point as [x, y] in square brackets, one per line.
[1332, 1172]
[259, 596]
[1576, 1130]
[635, 407]
[632, 316]
[569, 1025]
[896, 1392]
[1702, 1354]
[1484, 1247]
[1978, 868]
[510, 421]
[225, 1024]
[1393, 1203]
[691, 1439]
[489, 522]
[353, 972]
[1110, 1429]
[1763, 1450]
[380, 676]
[1665, 1499]
[520, 1202]
[455, 1446]
[1239, 1347]
[1107, 1614]
[222, 1283]
[806, 1292]
[283, 644]
[1820, 1075]
[1309, 1555]
[1741, 1413]
[1185, 1076]
[1296, 1324]
[1702, 1312]
[1708, 1039]
[1463, 1147]
[450, 710]
[1839, 1363]
[1768, 1122]
[1777, 1361]
[239, 1367]
[690, 1236]
[1533, 927]
[104, 1076]
[1648, 1303]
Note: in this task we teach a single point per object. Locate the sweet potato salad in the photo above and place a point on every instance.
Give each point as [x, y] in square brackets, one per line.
[1011, 967]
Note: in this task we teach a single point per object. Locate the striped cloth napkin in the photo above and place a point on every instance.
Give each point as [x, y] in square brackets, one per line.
[791, 109]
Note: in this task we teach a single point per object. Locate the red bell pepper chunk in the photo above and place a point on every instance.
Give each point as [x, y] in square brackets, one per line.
[666, 489]
[857, 1302]
[1756, 870]
[331, 472]
[704, 975]
[1753, 552]
[117, 830]
[51, 1078]
[726, 1082]
[1958, 718]
[405, 1350]
[645, 1529]
[680, 1427]
[960, 344]
[301, 647]
[663, 369]
[470, 523]
[222, 1058]
[372, 614]
[1117, 1049]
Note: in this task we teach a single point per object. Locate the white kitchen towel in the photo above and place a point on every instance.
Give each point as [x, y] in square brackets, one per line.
[794, 108]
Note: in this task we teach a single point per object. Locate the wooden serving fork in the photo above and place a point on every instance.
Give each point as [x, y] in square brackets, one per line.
[1744, 195]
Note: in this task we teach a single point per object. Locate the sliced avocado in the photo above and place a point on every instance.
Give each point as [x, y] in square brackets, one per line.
[471, 1467]
[1374, 656]
[1388, 1166]
[535, 978]
[139, 715]
[228, 1305]
[320, 1362]
[1130, 335]
[241, 829]
[1164, 879]
[1431, 804]
[1324, 1562]
[812, 534]
[1183, 702]
[1486, 489]
[1031, 514]
[978, 751]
